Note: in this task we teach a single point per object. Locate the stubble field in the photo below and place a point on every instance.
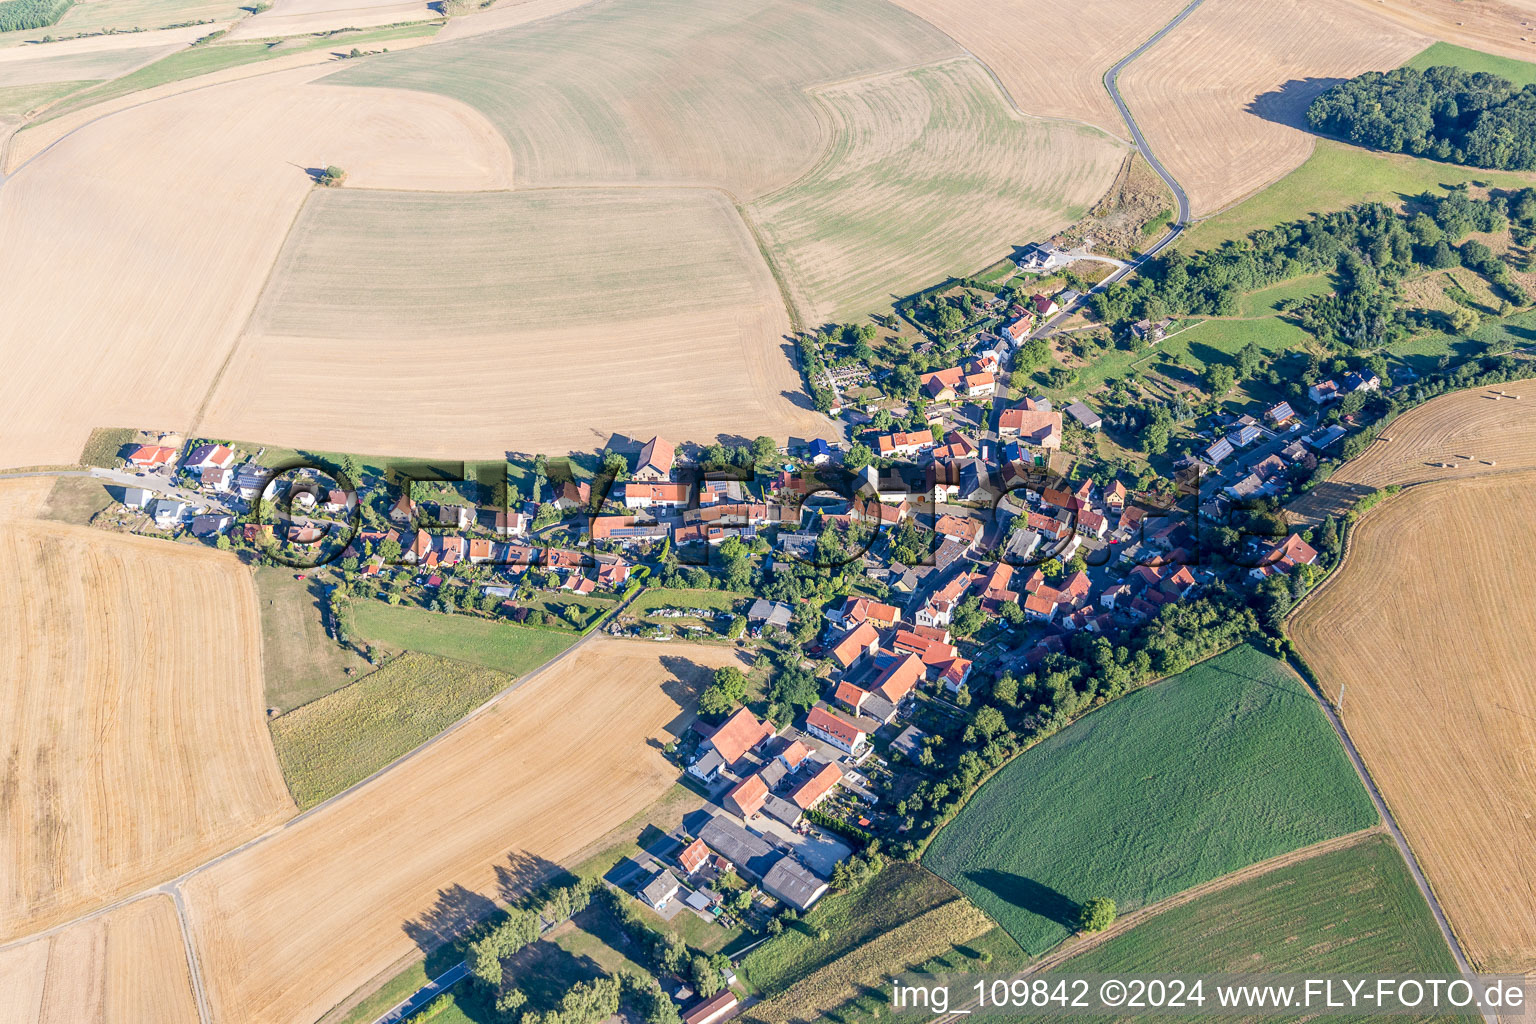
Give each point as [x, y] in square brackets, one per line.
[1427, 628]
[132, 742]
[287, 929]
[1506, 27]
[128, 966]
[1457, 436]
[552, 318]
[1221, 97]
[1090, 37]
[930, 174]
[208, 181]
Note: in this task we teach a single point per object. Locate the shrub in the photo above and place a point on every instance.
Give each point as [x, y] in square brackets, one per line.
[332, 176]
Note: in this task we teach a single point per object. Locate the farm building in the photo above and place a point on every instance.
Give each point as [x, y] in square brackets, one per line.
[719, 1007]
[738, 734]
[655, 462]
[793, 883]
[751, 855]
[770, 613]
[1084, 415]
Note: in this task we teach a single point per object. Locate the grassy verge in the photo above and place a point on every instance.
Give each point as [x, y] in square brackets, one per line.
[1227, 764]
[715, 600]
[300, 661]
[76, 499]
[497, 645]
[327, 745]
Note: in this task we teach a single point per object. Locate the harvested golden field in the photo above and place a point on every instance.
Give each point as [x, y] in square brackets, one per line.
[296, 17]
[208, 182]
[1220, 98]
[665, 92]
[931, 175]
[132, 739]
[1506, 27]
[44, 67]
[24, 497]
[128, 966]
[570, 314]
[1051, 57]
[1456, 436]
[295, 924]
[1428, 628]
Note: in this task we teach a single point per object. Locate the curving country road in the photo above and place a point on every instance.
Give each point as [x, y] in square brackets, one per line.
[1112, 84]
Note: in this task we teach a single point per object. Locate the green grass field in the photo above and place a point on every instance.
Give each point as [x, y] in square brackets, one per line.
[327, 745]
[663, 597]
[1519, 72]
[1224, 765]
[299, 661]
[1266, 301]
[16, 100]
[1336, 176]
[1350, 911]
[898, 894]
[497, 645]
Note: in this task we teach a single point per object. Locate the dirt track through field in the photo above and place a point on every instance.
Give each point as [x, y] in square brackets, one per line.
[1426, 629]
[1221, 98]
[132, 739]
[125, 967]
[290, 927]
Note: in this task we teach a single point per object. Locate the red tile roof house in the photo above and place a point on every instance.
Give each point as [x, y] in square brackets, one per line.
[955, 674]
[151, 456]
[694, 856]
[815, 789]
[851, 697]
[864, 639]
[899, 678]
[1042, 604]
[1039, 427]
[453, 550]
[1285, 556]
[209, 456]
[1091, 523]
[655, 460]
[941, 385]
[793, 754]
[738, 734]
[835, 729]
[1044, 305]
[747, 796]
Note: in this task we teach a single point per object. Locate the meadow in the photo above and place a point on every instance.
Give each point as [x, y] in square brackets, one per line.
[900, 893]
[1520, 72]
[331, 743]
[300, 661]
[1334, 177]
[1351, 910]
[501, 646]
[1227, 764]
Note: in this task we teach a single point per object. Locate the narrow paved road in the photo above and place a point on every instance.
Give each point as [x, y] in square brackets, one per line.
[1111, 83]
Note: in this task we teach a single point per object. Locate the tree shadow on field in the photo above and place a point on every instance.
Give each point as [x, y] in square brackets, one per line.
[1028, 894]
[685, 681]
[526, 872]
[1288, 103]
[454, 912]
